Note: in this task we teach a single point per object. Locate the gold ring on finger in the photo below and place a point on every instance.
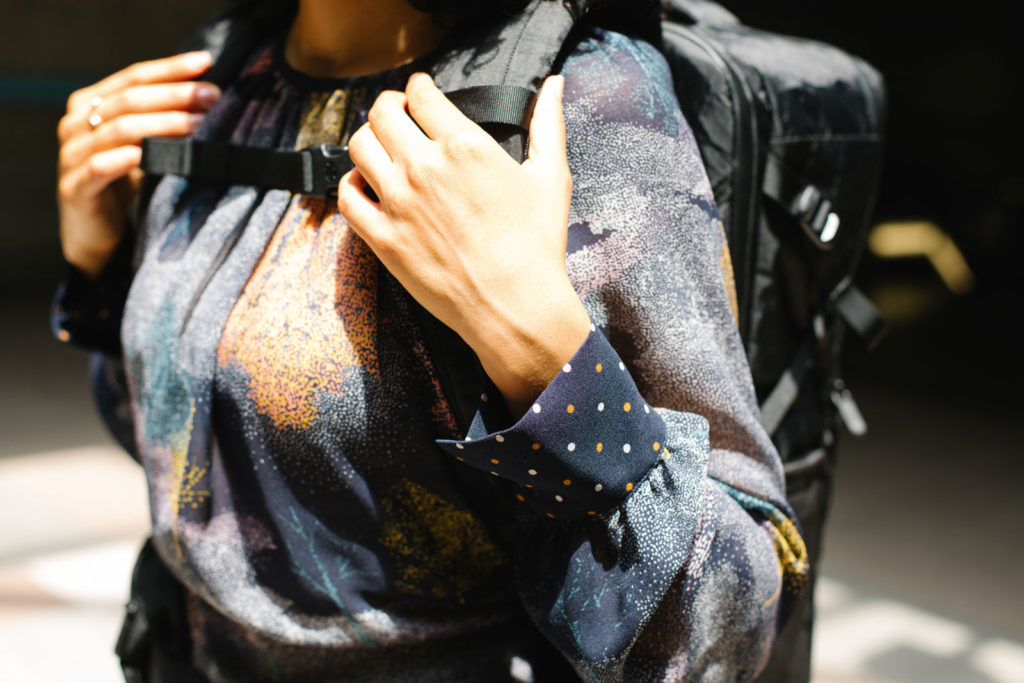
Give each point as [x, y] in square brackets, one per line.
[94, 116]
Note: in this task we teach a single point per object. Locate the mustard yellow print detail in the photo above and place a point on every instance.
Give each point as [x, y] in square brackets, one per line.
[791, 551]
[183, 483]
[324, 119]
[729, 278]
[438, 548]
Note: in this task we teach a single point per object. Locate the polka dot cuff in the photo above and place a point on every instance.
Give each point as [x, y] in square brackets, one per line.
[582, 447]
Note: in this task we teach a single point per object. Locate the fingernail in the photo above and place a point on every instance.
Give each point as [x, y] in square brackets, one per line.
[207, 94]
[421, 74]
[199, 60]
[195, 119]
[559, 85]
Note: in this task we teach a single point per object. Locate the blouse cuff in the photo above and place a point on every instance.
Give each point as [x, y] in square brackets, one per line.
[87, 312]
[583, 446]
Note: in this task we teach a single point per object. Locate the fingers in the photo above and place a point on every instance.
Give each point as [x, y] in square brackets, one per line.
[365, 216]
[547, 128]
[434, 112]
[371, 159]
[127, 130]
[93, 176]
[396, 131]
[147, 99]
[188, 97]
[181, 67]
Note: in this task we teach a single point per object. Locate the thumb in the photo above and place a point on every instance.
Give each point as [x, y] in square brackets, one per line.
[547, 127]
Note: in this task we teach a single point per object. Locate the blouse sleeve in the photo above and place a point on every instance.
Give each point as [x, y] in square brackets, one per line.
[654, 538]
[87, 313]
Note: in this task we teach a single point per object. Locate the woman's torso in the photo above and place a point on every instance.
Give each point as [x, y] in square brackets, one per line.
[286, 409]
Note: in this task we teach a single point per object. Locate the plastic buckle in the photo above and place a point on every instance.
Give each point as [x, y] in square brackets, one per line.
[814, 210]
[849, 411]
[323, 167]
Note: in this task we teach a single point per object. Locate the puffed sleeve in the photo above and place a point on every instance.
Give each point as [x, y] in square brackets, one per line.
[654, 537]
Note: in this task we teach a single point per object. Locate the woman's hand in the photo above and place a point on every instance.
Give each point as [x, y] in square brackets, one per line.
[100, 137]
[477, 238]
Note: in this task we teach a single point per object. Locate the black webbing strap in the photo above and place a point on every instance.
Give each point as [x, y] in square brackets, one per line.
[782, 396]
[313, 170]
[508, 104]
[861, 315]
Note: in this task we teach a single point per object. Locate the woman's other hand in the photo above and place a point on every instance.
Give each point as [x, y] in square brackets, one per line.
[477, 238]
[100, 147]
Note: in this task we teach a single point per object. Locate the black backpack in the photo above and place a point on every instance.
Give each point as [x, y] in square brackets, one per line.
[790, 132]
[790, 135]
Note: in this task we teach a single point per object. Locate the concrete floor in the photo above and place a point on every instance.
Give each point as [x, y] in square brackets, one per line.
[922, 559]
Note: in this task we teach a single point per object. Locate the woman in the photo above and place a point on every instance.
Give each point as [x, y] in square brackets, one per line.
[615, 505]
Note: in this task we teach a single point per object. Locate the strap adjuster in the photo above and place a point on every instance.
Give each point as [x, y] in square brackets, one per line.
[814, 211]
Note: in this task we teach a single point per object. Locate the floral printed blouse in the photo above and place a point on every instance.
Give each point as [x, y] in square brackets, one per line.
[309, 486]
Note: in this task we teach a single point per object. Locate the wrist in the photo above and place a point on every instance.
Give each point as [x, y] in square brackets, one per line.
[87, 242]
[521, 350]
[89, 260]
